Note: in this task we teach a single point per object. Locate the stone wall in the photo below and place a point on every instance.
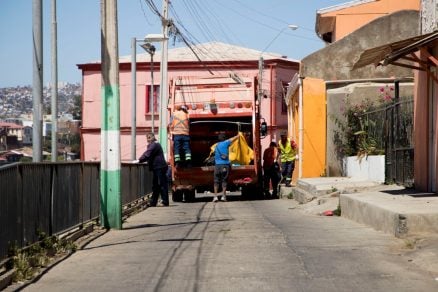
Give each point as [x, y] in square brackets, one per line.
[335, 61]
[429, 12]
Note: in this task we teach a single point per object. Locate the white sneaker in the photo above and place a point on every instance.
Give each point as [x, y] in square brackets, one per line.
[215, 199]
[224, 198]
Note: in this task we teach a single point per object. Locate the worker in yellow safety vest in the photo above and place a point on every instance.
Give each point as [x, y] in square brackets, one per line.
[180, 127]
[288, 154]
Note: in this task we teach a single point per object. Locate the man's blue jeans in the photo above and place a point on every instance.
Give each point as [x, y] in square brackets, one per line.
[181, 147]
[159, 186]
[287, 171]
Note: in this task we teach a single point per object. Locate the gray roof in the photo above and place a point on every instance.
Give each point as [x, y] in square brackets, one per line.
[213, 51]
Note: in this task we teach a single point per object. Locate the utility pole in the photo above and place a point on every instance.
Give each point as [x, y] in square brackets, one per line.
[260, 82]
[54, 98]
[152, 91]
[164, 90]
[37, 92]
[110, 198]
[133, 99]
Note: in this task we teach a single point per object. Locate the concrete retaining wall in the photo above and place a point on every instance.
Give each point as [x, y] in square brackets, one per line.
[398, 215]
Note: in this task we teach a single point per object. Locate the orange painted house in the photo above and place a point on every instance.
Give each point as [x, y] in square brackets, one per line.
[307, 93]
[335, 22]
[217, 60]
[419, 53]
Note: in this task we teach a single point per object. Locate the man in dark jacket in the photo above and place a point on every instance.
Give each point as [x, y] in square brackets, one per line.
[154, 156]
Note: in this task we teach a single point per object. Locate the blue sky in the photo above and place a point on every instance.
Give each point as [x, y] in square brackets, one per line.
[248, 23]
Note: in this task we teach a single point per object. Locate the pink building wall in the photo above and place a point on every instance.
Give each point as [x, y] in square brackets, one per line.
[274, 75]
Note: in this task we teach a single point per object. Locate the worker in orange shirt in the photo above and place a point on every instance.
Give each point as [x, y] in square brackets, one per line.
[180, 128]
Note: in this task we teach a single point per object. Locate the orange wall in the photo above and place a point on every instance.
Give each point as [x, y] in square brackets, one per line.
[293, 128]
[314, 113]
[351, 18]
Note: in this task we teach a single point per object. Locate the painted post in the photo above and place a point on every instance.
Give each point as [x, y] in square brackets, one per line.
[37, 91]
[164, 90]
[110, 198]
[54, 88]
[133, 99]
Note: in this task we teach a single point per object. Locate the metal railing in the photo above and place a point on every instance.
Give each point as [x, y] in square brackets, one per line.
[56, 197]
[391, 127]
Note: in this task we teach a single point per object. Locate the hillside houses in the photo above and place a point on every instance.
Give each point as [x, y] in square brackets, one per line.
[15, 101]
[16, 118]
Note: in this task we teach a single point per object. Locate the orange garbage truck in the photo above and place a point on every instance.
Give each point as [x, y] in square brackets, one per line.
[218, 105]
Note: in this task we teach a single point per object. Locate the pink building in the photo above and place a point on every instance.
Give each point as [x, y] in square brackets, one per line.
[217, 60]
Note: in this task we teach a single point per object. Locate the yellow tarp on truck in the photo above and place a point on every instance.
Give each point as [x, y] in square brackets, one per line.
[240, 152]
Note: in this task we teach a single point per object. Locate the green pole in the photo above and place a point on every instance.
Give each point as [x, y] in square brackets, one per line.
[164, 90]
[110, 198]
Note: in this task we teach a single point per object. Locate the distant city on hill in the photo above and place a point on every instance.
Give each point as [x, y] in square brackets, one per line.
[16, 101]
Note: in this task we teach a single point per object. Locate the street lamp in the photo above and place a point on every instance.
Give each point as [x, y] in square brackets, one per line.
[151, 50]
[162, 130]
[148, 47]
[134, 97]
[261, 62]
[291, 27]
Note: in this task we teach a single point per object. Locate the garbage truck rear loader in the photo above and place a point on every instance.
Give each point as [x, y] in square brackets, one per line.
[218, 105]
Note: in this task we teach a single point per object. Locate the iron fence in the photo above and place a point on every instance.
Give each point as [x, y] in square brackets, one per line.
[400, 145]
[56, 197]
[391, 127]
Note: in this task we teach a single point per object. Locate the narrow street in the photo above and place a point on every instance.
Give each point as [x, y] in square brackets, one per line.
[238, 246]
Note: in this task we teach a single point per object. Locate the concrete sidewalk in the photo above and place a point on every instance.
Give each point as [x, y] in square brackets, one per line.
[388, 208]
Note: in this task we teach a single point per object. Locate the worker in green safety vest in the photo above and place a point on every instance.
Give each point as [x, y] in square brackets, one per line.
[288, 155]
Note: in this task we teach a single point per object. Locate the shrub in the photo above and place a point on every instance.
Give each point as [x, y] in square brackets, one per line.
[354, 128]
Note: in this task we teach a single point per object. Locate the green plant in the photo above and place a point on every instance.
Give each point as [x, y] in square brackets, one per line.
[23, 269]
[365, 145]
[290, 196]
[352, 136]
[332, 190]
[410, 243]
[337, 212]
[28, 260]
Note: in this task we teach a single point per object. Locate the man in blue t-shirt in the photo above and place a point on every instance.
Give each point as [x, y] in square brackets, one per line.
[222, 165]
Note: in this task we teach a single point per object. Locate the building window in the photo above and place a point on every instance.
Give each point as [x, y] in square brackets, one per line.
[148, 98]
[283, 94]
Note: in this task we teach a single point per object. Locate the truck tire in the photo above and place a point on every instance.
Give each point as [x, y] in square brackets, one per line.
[189, 195]
[177, 196]
[252, 192]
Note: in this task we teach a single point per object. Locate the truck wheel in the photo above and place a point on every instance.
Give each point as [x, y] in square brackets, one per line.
[247, 193]
[189, 195]
[177, 196]
[252, 192]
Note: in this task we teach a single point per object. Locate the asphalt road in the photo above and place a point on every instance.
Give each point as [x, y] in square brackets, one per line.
[238, 246]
